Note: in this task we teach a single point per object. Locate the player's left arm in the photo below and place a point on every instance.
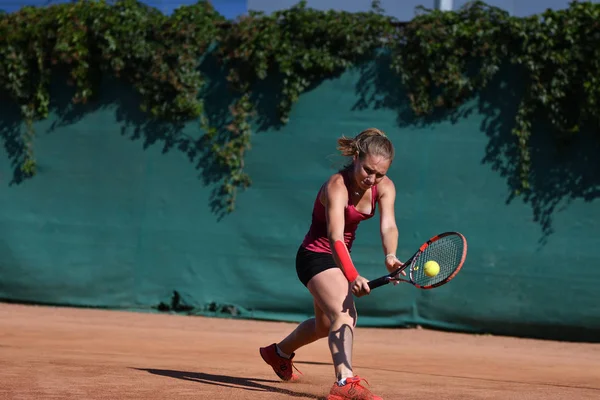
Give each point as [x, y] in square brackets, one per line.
[387, 223]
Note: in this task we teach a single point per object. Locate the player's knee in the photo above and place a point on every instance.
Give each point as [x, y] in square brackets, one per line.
[354, 320]
[345, 318]
[349, 309]
[352, 316]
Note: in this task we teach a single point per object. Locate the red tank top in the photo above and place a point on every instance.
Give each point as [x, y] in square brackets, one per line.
[316, 239]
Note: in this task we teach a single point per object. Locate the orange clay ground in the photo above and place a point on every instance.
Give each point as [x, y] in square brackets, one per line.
[62, 353]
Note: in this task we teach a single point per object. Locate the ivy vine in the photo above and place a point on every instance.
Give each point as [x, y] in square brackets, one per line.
[300, 46]
[440, 58]
[459, 53]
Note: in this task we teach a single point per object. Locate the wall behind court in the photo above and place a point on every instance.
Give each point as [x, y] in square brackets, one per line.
[118, 217]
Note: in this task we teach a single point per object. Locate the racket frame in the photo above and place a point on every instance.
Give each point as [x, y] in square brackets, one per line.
[394, 276]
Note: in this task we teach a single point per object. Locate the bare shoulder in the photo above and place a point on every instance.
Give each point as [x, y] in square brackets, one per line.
[386, 188]
[334, 187]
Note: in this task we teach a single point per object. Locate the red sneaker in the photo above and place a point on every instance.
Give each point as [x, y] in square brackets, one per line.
[282, 366]
[352, 390]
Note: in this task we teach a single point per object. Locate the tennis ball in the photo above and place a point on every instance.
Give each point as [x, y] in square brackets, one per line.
[432, 268]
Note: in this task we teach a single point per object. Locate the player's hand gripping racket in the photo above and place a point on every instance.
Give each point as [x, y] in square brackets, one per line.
[448, 250]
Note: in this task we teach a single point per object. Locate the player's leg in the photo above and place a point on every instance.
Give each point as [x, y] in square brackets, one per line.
[308, 265]
[332, 294]
[279, 356]
[335, 317]
[307, 332]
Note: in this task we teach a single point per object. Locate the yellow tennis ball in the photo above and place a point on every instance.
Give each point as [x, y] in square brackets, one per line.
[431, 268]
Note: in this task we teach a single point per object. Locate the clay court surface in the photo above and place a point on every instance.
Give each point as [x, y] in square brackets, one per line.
[62, 353]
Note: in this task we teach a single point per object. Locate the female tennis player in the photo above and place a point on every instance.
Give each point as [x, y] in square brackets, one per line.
[324, 265]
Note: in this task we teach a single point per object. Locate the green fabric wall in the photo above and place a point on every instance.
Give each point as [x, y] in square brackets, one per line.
[120, 216]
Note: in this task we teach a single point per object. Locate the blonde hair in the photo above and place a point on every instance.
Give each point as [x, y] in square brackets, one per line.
[370, 141]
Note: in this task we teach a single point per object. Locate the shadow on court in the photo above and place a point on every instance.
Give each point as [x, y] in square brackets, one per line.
[258, 385]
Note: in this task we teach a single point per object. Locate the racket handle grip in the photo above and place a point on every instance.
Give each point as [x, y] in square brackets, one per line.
[375, 283]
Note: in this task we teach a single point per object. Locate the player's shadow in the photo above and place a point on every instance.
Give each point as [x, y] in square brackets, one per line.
[232, 382]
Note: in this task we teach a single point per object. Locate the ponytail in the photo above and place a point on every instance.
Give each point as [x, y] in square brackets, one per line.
[347, 146]
[370, 141]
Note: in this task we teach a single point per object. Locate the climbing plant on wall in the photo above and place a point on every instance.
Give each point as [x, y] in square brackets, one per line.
[440, 58]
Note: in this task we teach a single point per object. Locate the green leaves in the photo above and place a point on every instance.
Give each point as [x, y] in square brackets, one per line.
[440, 49]
[458, 53]
[156, 54]
[300, 46]
[441, 58]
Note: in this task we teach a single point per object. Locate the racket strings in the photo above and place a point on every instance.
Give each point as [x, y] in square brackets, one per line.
[447, 252]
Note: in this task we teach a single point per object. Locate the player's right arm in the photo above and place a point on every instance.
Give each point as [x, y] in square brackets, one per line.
[335, 199]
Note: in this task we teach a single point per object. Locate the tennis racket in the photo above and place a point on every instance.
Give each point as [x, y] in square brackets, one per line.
[448, 249]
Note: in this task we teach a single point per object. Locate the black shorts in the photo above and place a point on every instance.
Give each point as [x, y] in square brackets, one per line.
[310, 263]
